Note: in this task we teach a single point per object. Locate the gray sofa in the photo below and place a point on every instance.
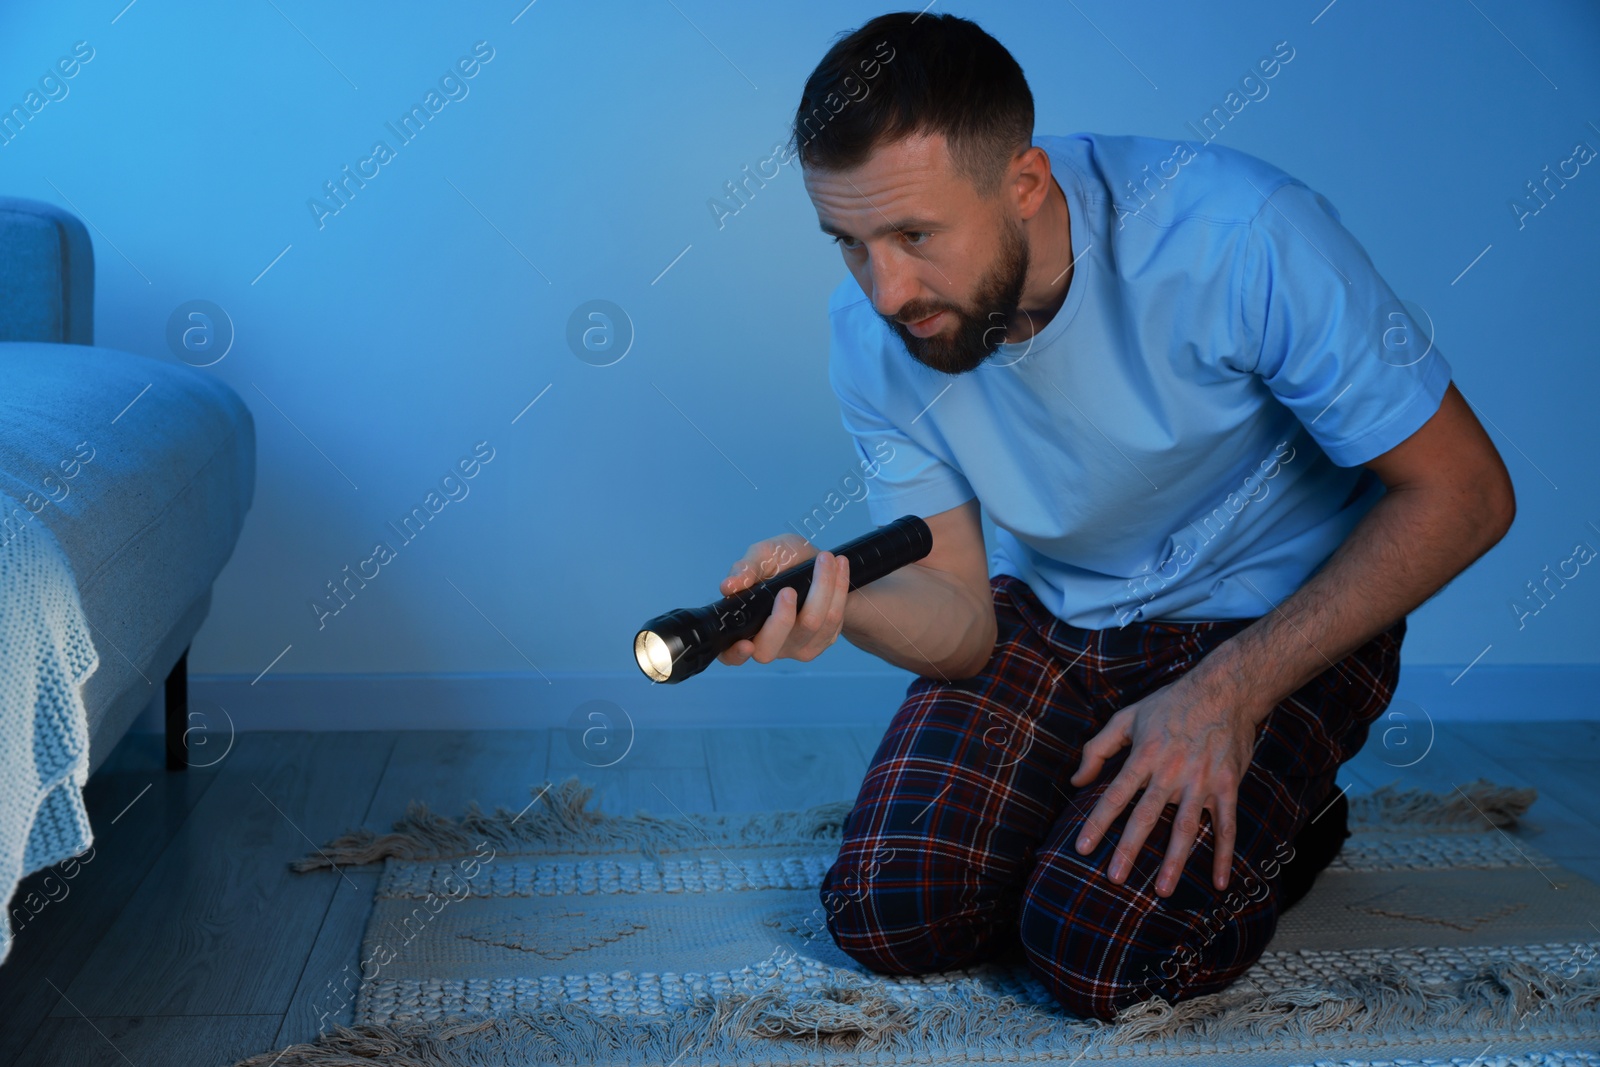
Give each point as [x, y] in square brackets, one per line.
[148, 463]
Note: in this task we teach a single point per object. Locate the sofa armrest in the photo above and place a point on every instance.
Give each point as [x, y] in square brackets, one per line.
[46, 274]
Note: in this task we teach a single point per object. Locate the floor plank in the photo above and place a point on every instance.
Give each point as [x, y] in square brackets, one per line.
[1564, 785]
[1563, 740]
[135, 808]
[221, 926]
[661, 770]
[1562, 761]
[326, 992]
[756, 768]
[578, 750]
[185, 1041]
[1550, 825]
[658, 790]
[449, 769]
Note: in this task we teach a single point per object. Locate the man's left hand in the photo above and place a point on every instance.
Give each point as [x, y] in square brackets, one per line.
[1192, 745]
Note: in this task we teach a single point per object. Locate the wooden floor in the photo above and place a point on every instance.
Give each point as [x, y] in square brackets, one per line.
[185, 938]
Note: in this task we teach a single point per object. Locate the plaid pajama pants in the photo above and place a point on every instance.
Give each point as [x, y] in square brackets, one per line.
[960, 846]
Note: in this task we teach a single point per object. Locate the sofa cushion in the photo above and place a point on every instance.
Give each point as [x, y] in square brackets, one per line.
[143, 469]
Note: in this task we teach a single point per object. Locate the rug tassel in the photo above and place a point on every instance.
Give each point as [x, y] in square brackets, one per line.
[781, 1025]
[1476, 806]
[561, 818]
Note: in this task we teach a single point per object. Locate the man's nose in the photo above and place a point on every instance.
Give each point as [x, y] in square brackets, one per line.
[894, 285]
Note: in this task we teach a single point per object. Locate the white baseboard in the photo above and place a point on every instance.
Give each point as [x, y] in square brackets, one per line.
[748, 697]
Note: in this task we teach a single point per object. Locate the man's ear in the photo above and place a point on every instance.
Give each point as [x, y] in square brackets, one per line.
[1029, 180]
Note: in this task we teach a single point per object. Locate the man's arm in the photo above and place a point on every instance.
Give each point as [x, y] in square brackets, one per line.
[1449, 500]
[936, 616]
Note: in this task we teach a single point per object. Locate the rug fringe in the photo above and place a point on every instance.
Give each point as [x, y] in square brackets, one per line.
[779, 1024]
[1476, 806]
[560, 819]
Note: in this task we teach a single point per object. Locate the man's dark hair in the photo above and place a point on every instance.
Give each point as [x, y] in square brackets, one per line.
[908, 73]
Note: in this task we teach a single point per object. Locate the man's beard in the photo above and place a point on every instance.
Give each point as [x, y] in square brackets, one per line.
[979, 333]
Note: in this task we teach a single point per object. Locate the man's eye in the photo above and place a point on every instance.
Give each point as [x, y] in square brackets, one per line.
[850, 243]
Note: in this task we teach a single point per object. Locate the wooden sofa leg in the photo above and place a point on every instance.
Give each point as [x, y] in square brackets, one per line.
[177, 698]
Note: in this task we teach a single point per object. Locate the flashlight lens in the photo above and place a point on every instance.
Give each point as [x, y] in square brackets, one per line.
[653, 656]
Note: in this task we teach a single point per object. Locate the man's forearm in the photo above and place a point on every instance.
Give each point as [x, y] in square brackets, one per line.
[1412, 542]
[920, 620]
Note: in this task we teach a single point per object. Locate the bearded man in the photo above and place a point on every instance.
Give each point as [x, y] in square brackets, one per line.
[1166, 373]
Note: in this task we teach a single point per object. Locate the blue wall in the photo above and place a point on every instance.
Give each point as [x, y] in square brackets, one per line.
[377, 345]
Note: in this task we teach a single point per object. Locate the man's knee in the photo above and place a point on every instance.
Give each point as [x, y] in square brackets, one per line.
[1100, 947]
[904, 910]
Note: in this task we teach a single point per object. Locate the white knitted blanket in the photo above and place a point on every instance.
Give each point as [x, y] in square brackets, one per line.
[45, 656]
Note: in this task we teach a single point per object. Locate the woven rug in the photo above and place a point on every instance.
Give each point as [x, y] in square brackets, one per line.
[561, 934]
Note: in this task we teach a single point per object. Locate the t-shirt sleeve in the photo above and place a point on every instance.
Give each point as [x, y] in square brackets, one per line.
[902, 476]
[1327, 334]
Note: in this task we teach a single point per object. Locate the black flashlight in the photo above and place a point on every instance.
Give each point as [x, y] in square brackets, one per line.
[683, 642]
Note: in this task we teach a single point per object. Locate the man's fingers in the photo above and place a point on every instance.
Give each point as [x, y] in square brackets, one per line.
[1225, 825]
[1185, 828]
[819, 596]
[1099, 748]
[800, 632]
[740, 651]
[775, 631]
[761, 561]
[1145, 815]
[828, 591]
[1106, 810]
[809, 618]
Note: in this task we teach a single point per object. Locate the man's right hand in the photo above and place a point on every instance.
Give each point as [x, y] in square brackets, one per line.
[788, 634]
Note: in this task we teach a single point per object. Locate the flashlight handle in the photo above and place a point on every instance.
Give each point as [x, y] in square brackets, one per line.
[872, 555]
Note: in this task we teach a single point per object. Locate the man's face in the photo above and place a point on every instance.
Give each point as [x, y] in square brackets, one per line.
[920, 241]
